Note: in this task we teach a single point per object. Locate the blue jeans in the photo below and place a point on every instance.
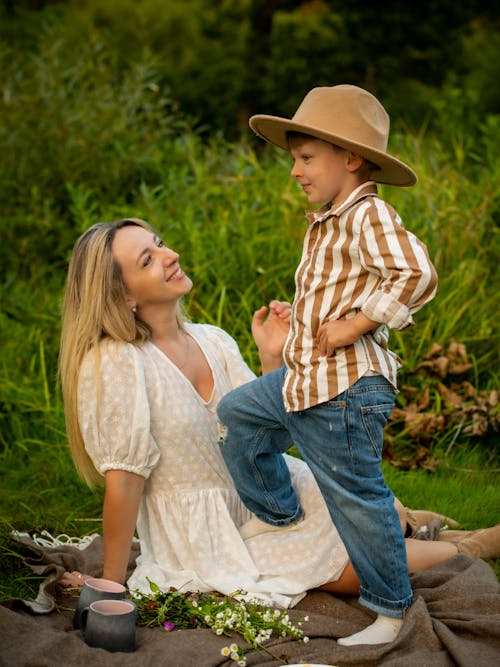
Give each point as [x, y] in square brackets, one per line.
[341, 441]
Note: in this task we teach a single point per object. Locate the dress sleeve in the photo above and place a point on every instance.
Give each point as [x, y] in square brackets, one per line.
[237, 370]
[113, 410]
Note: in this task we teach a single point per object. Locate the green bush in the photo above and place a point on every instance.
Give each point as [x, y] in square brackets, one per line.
[75, 124]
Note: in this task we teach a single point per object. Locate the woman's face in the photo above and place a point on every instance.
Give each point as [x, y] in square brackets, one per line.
[151, 271]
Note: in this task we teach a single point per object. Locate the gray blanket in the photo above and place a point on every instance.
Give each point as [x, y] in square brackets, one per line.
[455, 621]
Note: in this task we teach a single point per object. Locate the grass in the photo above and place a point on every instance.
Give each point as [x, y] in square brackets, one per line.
[464, 487]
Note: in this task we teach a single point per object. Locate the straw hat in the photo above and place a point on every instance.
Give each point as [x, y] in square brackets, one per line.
[346, 116]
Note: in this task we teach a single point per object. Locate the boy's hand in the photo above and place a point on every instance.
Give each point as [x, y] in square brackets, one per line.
[270, 330]
[340, 333]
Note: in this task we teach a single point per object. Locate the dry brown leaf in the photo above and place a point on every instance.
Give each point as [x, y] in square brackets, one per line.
[425, 424]
[493, 398]
[406, 414]
[479, 425]
[431, 464]
[469, 389]
[457, 350]
[424, 400]
[441, 366]
[436, 349]
[398, 415]
[459, 369]
[451, 399]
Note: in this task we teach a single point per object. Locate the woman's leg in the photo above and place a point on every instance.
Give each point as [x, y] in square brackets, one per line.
[402, 513]
[346, 584]
[421, 555]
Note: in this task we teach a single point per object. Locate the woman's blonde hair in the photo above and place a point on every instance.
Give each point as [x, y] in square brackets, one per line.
[94, 308]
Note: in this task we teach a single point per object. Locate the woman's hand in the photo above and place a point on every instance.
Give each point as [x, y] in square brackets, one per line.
[270, 327]
[73, 579]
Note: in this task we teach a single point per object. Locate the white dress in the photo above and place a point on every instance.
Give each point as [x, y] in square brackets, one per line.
[146, 417]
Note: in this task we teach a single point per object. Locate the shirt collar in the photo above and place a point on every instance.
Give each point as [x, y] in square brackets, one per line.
[367, 189]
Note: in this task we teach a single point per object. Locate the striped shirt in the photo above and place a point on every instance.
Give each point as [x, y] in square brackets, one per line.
[357, 256]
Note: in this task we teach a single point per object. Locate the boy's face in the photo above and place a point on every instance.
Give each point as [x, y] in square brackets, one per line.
[321, 169]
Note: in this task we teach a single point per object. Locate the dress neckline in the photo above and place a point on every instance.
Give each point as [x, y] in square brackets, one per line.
[190, 332]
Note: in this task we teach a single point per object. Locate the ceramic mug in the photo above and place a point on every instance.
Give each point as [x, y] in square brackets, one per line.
[110, 624]
[96, 589]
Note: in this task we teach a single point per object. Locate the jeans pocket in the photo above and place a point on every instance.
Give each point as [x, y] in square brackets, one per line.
[374, 418]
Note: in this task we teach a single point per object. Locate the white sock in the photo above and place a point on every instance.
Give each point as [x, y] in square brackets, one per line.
[383, 630]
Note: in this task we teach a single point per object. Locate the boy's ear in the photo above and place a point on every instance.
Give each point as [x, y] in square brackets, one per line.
[354, 161]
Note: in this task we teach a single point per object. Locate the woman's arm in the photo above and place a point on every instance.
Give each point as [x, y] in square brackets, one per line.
[121, 505]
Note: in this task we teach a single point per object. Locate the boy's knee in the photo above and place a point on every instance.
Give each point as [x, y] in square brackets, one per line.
[226, 407]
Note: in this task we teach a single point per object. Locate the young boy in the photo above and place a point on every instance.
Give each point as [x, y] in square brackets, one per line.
[360, 273]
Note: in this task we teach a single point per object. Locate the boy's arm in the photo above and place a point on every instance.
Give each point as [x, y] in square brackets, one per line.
[408, 278]
[340, 333]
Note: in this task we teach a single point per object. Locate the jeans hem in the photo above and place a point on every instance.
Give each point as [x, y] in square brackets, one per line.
[281, 522]
[386, 607]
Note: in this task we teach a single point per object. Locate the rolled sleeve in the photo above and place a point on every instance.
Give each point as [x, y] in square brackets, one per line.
[407, 278]
[382, 307]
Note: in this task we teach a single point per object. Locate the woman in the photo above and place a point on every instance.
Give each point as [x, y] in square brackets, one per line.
[140, 387]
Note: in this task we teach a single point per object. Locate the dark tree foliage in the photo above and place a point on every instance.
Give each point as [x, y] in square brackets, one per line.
[225, 60]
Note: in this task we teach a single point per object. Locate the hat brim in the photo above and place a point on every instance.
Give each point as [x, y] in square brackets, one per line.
[391, 170]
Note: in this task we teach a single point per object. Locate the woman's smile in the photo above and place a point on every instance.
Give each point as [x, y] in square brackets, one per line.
[177, 275]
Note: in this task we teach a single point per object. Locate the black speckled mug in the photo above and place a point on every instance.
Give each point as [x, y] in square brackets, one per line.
[110, 624]
[96, 589]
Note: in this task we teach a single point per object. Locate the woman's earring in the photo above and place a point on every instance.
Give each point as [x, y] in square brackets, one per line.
[134, 309]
